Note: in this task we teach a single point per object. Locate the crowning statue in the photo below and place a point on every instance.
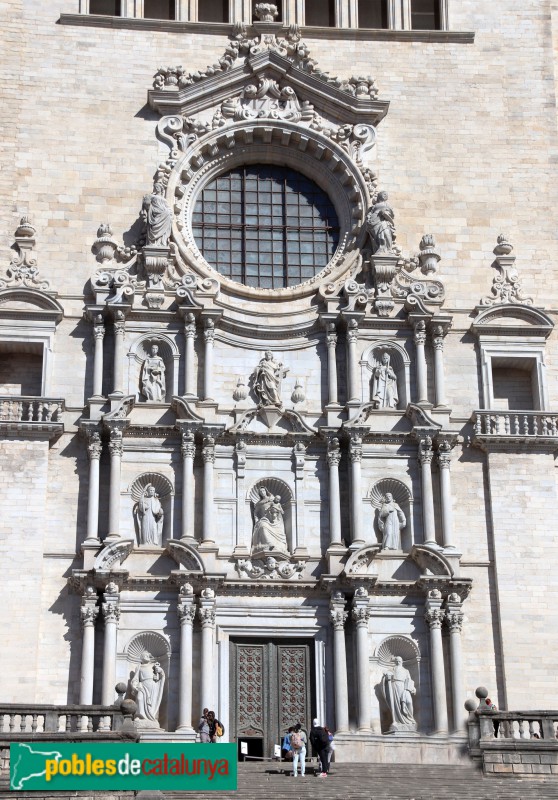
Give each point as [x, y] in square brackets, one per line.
[397, 689]
[391, 521]
[384, 384]
[153, 385]
[150, 516]
[147, 684]
[267, 380]
[158, 217]
[380, 224]
[269, 528]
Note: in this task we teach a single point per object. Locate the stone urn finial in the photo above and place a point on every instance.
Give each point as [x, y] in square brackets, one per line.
[266, 12]
[504, 246]
[25, 230]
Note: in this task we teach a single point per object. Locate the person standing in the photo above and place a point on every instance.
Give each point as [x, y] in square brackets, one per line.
[216, 728]
[203, 727]
[320, 743]
[298, 743]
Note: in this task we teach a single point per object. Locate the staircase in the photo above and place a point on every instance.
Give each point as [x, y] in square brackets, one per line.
[270, 781]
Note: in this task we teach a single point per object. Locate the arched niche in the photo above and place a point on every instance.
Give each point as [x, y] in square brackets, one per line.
[404, 498]
[400, 362]
[383, 661]
[276, 486]
[165, 493]
[159, 647]
[139, 351]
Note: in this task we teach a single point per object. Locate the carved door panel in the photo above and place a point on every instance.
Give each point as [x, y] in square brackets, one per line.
[271, 689]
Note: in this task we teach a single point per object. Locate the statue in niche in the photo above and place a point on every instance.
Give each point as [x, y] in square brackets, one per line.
[397, 689]
[268, 376]
[380, 224]
[147, 684]
[384, 384]
[391, 521]
[150, 516]
[158, 217]
[153, 384]
[269, 527]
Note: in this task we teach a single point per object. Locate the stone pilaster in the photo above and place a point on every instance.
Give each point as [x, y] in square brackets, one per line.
[338, 617]
[111, 616]
[206, 614]
[209, 339]
[444, 463]
[333, 460]
[434, 616]
[454, 620]
[186, 611]
[355, 454]
[99, 335]
[119, 332]
[188, 449]
[115, 450]
[89, 612]
[189, 366]
[208, 455]
[94, 450]
[438, 334]
[352, 358]
[425, 456]
[332, 364]
[361, 613]
[420, 342]
[299, 458]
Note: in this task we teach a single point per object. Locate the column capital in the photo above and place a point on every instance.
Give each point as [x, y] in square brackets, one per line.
[94, 446]
[209, 330]
[207, 616]
[361, 615]
[88, 614]
[352, 332]
[331, 335]
[119, 326]
[355, 449]
[425, 451]
[444, 454]
[115, 443]
[333, 452]
[419, 332]
[186, 611]
[299, 455]
[338, 618]
[208, 450]
[188, 445]
[454, 619]
[99, 330]
[111, 610]
[190, 326]
[438, 334]
[434, 617]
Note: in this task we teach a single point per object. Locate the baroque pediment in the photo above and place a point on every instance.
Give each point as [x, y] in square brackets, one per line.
[272, 419]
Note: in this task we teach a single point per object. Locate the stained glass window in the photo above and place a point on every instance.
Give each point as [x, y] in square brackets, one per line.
[265, 226]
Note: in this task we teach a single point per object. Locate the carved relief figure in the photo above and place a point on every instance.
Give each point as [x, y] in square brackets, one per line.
[158, 216]
[269, 527]
[384, 384]
[150, 516]
[268, 376]
[147, 684]
[391, 521]
[398, 688]
[380, 224]
[153, 384]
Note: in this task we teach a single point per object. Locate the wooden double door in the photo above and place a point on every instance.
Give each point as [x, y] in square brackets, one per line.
[271, 688]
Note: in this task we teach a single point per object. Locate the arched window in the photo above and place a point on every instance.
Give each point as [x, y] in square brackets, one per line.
[265, 226]
[373, 14]
[159, 9]
[425, 15]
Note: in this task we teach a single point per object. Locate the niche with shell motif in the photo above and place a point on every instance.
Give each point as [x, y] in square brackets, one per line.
[385, 371]
[403, 498]
[152, 498]
[153, 364]
[383, 661]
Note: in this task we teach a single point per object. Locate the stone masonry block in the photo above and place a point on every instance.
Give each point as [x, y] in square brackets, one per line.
[540, 768]
[549, 758]
[493, 758]
[530, 758]
[503, 767]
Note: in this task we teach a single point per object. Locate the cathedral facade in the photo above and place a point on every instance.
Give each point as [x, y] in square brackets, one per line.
[278, 365]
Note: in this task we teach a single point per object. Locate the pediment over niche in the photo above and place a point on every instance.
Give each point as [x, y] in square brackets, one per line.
[280, 57]
[33, 303]
[272, 419]
[431, 562]
[512, 320]
[185, 556]
[114, 553]
[385, 565]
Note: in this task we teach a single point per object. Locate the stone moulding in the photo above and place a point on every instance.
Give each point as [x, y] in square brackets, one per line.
[113, 553]
[431, 562]
[185, 556]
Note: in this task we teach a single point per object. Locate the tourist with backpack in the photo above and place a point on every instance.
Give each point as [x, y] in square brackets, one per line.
[320, 744]
[298, 742]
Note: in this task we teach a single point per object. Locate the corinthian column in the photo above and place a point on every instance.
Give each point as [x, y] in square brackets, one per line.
[89, 613]
[111, 615]
[190, 336]
[439, 378]
[209, 338]
[332, 363]
[434, 617]
[206, 613]
[420, 341]
[208, 455]
[425, 456]
[338, 617]
[454, 621]
[119, 329]
[352, 340]
[115, 450]
[186, 612]
[333, 459]
[355, 454]
[94, 449]
[99, 334]
[361, 613]
[444, 462]
[188, 509]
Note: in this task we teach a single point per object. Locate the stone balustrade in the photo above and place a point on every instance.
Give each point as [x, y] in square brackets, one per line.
[30, 409]
[24, 721]
[535, 725]
[520, 427]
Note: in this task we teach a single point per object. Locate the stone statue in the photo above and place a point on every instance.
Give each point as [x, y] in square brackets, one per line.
[158, 216]
[267, 380]
[269, 528]
[391, 521]
[398, 688]
[380, 225]
[150, 515]
[147, 684]
[153, 385]
[384, 384]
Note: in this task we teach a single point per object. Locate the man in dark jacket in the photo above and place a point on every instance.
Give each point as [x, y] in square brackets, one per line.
[320, 743]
